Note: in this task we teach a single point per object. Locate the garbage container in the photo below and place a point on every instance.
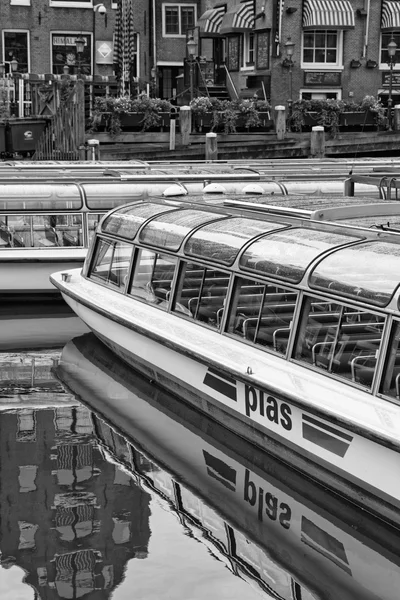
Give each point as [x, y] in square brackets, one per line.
[24, 134]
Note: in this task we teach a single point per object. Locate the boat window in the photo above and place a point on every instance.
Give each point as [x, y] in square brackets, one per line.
[168, 231]
[31, 197]
[368, 271]
[340, 339]
[202, 293]
[39, 231]
[127, 221]
[93, 220]
[105, 195]
[111, 262]
[153, 276]
[390, 385]
[262, 313]
[287, 254]
[221, 241]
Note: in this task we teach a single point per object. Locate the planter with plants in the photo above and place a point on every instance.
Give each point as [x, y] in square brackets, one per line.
[229, 116]
[116, 114]
[335, 114]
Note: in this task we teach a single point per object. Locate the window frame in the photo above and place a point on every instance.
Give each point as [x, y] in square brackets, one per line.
[319, 66]
[164, 19]
[383, 66]
[248, 65]
[65, 34]
[28, 43]
[71, 4]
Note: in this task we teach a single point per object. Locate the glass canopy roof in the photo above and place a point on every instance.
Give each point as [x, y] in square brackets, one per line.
[41, 196]
[287, 254]
[221, 241]
[127, 221]
[107, 195]
[369, 271]
[169, 231]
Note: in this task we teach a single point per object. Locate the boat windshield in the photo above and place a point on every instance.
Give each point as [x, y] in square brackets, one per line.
[222, 241]
[32, 196]
[169, 231]
[127, 221]
[105, 195]
[287, 254]
[367, 271]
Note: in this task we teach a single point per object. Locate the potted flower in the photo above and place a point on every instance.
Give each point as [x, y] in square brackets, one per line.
[202, 108]
[141, 113]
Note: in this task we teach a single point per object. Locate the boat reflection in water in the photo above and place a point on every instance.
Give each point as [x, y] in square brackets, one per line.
[40, 323]
[270, 525]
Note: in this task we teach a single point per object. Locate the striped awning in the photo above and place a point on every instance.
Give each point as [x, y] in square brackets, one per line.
[210, 22]
[239, 18]
[390, 15]
[328, 14]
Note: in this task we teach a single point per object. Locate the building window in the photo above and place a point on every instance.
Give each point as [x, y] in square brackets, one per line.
[322, 94]
[15, 45]
[385, 39]
[322, 48]
[177, 19]
[63, 52]
[248, 49]
[72, 3]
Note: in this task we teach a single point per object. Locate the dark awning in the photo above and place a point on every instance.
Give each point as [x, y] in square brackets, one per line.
[328, 14]
[390, 15]
[239, 18]
[210, 22]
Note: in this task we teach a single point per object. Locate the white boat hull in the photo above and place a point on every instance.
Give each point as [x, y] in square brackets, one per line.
[28, 271]
[353, 457]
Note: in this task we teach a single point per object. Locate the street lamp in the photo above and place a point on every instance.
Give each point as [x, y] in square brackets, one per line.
[288, 63]
[80, 46]
[191, 48]
[391, 48]
[101, 9]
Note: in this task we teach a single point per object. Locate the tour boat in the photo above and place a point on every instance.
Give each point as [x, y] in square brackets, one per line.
[286, 329]
[285, 535]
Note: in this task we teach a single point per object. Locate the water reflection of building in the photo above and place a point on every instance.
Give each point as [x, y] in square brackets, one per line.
[69, 518]
[284, 535]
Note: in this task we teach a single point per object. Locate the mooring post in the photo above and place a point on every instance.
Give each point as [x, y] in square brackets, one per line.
[348, 187]
[94, 149]
[172, 128]
[396, 117]
[317, 149]
[185, 123]
[211, 146]
[280, 122]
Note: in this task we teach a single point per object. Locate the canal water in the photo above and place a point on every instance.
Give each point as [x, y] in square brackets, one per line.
[112, 488]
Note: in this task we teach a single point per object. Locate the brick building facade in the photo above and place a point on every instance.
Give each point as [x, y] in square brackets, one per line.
[338, 53]
[340, 48]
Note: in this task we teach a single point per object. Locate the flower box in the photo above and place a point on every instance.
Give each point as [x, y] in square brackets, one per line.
[357, 119]
[131, 121]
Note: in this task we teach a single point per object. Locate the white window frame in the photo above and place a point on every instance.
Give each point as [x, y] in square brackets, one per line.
[337, 91]
[178, 5]
[68, 4]
[20, 2]
[246, 47]
[338, 65]
[28, 41]
[114, 5]
[383, 66]
[88, 34]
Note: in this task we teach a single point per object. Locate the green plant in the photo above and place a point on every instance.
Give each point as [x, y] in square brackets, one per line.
[111, 108]
[201, 106]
